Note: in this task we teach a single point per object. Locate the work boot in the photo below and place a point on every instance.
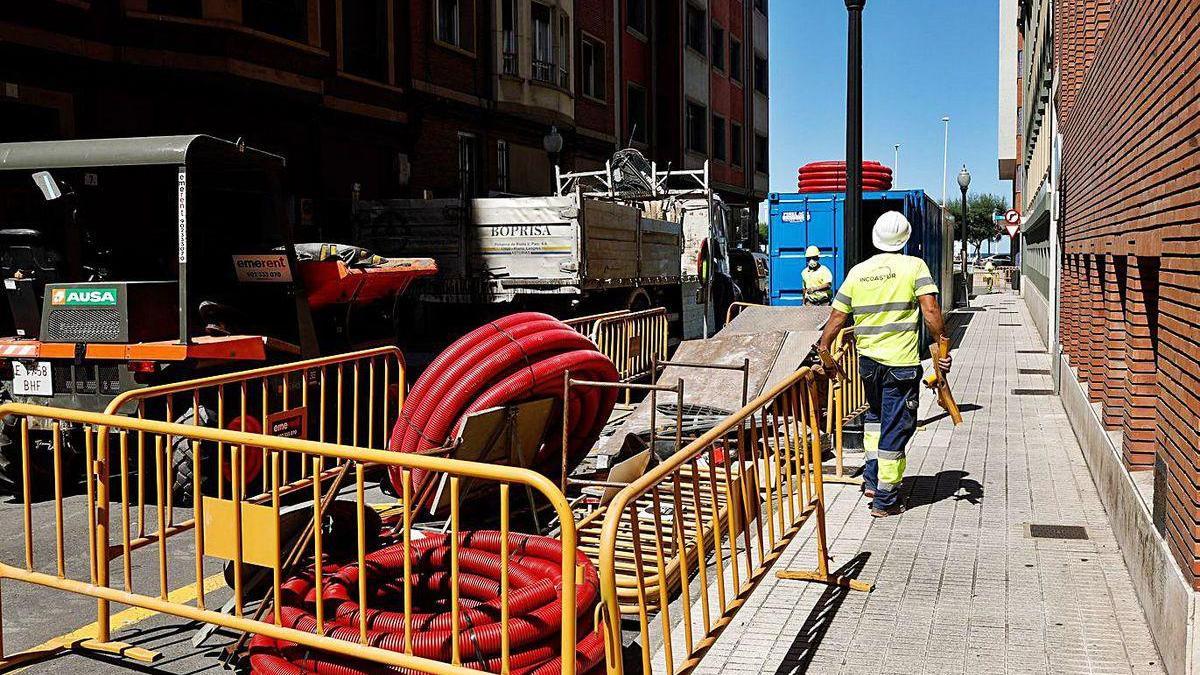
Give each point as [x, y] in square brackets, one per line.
[890, 511]
[868, 493]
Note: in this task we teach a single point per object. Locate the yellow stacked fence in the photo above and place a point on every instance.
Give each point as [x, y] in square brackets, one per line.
[737, 496]
[129, 514]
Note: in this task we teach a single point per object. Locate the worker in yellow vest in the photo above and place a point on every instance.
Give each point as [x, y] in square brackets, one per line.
[887, 295]
[818, 280]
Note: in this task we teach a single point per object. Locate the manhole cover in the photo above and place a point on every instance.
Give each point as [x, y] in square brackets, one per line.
[1033, 392]
[1042, 531]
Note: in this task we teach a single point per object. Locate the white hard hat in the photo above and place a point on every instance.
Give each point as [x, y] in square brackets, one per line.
[891, 231]
[812, 252]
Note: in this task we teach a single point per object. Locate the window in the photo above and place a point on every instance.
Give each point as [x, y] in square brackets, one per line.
[508, 19]
[364, 38]
[635, 15]
[761, 160]
[761, 6]
[561, 53]
[449, 22]
[760, 74]
[697, 128]
[285, 18]
[636, 98]
[543, 42]
[502, 165]
[467, 166]
[718, 47]
[591, 64]
[735, 144]
[735, 59]
[697, 28]
[718, 137]
[191, 9]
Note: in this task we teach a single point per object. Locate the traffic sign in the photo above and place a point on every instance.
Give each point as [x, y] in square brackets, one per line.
[1012, 222]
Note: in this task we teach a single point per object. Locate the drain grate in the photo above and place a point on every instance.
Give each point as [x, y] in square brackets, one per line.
[1042, 531]
[1033, 392]
[1033, 371]
[1031, 351]
[1013, 325]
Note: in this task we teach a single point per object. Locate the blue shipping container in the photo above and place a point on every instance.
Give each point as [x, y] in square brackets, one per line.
[797, 221]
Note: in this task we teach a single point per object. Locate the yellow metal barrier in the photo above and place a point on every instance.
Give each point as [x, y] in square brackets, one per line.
[846, 399]
[352, 399]
[583, 324]
[737, 496]
[736, 308]
[237, 529]
[634, 341]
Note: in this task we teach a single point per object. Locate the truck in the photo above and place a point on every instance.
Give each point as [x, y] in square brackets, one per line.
[626, 237]
[134, 262]
[799, 220]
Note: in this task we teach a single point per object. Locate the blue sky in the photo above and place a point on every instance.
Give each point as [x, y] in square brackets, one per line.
[922, 59]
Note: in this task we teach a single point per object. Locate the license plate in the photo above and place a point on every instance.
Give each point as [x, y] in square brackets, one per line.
[32, 379]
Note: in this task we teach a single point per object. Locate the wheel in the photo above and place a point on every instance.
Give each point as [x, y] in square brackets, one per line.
[182, 474]
[638, 300]
[41, 462]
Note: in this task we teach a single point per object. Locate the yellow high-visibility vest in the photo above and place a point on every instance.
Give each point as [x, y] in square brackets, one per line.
[815, 278]
[881, 294]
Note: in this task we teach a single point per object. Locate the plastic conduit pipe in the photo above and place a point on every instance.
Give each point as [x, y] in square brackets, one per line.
[534, 602]
[517, 358]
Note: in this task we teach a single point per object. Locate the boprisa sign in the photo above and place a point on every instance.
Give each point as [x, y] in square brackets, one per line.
[83, 297]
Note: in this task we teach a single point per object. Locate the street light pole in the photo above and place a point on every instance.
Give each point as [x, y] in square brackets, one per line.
[945, 157]
[896, 168]
[854, 9]
[964, 181]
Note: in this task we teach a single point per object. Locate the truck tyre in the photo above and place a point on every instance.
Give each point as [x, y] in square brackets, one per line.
[638, 300]
[41, 463]
[182, 479]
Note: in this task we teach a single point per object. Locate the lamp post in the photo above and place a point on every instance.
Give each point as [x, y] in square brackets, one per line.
[854, 10]
[964, 181]
[896, 168]
[945, 157]
[552, 143]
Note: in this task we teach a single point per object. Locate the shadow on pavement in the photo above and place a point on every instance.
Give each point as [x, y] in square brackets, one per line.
[804, 647]
[926, 490]
[963, 408]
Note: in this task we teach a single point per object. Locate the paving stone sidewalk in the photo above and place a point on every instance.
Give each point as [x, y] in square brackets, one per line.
[960, 585]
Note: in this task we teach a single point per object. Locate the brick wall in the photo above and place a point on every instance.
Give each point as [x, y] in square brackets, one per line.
[1128, 97]
[594, 17]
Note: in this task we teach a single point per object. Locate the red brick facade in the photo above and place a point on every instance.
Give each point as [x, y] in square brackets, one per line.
[1131, 270]
[143, 67]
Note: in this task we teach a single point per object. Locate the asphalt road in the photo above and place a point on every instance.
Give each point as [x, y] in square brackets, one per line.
[33, 615]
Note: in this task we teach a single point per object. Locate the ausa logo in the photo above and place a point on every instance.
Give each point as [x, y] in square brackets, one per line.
[83, 297]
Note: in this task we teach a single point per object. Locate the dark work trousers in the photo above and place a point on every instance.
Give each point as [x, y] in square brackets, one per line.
[893, 394]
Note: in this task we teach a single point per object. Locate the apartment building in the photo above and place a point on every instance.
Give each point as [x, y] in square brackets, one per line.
[385, 98]
[1124, 172]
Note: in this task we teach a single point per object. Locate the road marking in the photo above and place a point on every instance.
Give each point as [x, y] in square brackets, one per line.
[128, 617]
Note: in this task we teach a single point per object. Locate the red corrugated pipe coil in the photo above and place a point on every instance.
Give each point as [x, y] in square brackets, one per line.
[517, 358]
[535, 608]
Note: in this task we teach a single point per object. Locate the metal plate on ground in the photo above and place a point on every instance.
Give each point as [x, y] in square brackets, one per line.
[756, 320]
[1044, 531]
[717, 388]
[1033, 392]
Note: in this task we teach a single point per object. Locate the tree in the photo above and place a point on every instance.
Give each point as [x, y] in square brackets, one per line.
[981, 224]
[763, 233]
